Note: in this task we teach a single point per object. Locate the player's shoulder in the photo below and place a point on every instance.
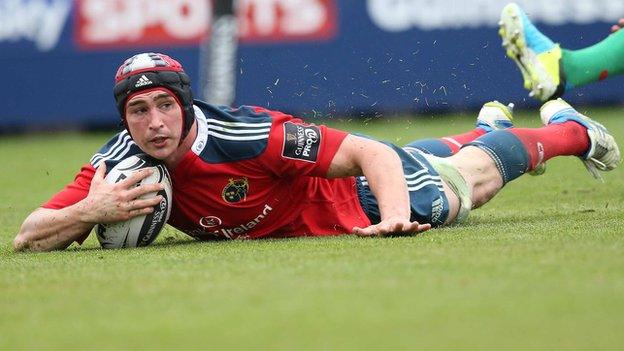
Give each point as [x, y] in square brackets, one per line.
[229, 134]
[244, 115]
[115, 150]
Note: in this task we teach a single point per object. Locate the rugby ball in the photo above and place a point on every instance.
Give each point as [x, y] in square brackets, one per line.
[140, 230]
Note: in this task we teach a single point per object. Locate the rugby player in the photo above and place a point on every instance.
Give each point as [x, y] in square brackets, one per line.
[548, 70]
[249, 172]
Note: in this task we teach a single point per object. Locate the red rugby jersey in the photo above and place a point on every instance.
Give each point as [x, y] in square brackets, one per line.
[251, 173]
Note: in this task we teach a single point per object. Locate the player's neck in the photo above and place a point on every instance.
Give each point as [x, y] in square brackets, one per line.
[172, 161]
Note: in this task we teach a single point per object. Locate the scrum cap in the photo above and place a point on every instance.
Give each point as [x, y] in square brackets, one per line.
[149, 70]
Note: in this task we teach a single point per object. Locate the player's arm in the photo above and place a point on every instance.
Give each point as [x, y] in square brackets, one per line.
[47, 229]
[54, 229]
[383, 170]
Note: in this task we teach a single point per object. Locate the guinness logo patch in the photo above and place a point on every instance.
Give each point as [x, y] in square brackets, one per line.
[301, 142]
[235, 190]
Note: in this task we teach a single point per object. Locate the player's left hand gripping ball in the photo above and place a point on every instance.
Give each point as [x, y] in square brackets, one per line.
[141, 230]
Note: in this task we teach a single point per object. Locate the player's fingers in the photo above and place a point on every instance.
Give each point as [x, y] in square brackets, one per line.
[368, 231]
[141, 190]
[394, 228]
[398, 229]
[416, 227]
[422, 227]
[100, 172]
[398, 226]
[136, 177]
[357, 231]
[383, 228]
[410, 228]
[404, 229]
[144, 203]
[140, 212]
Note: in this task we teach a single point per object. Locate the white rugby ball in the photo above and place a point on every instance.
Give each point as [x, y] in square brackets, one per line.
[140, 230]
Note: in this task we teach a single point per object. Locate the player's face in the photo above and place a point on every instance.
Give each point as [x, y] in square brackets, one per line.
[155, 121]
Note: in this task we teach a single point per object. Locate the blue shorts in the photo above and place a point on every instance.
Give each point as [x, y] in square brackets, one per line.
[428, 202]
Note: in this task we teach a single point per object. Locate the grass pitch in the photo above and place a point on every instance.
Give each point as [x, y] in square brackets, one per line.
[541, 267]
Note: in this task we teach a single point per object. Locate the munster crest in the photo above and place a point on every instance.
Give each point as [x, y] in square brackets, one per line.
[235, 190]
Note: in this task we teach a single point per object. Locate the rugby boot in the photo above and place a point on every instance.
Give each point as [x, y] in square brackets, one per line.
[537, 57]
[496, 116]
[603, 153]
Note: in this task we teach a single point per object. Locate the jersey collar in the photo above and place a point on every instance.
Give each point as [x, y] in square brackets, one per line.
[202, 132]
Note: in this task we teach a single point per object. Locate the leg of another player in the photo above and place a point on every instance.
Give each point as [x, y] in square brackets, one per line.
[549, 70]
[594, 63]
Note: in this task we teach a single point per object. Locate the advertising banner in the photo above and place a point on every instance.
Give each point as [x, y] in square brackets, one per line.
[309, 57]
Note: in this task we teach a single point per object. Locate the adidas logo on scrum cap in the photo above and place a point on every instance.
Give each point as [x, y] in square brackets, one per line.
[143, 81]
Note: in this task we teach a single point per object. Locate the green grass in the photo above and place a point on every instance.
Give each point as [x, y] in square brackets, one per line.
[541, 267]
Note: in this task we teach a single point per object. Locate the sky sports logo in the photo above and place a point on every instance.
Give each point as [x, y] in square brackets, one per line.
[101, 24]
[186, 22]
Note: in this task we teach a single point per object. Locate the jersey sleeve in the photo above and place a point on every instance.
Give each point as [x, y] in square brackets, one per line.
[296, 148]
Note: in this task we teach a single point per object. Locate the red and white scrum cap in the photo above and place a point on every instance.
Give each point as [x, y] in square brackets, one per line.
[150, 70]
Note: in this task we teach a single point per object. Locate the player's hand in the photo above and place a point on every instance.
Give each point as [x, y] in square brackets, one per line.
[392, 227]
[109, 203]
[618, 26]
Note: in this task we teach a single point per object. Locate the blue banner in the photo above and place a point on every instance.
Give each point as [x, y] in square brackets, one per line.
[307, 57]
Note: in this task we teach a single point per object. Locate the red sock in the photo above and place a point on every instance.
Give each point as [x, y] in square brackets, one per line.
[455, 142]
[569, 138]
